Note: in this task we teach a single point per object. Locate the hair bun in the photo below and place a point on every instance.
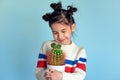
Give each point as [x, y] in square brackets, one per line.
[46, 17]
[71, 10]
[56, 6]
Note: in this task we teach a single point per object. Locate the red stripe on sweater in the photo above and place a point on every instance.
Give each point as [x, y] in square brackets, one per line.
[41, 64]
[69, 69]
[81, 66]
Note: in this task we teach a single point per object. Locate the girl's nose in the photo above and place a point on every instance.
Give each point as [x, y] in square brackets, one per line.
[60, 36]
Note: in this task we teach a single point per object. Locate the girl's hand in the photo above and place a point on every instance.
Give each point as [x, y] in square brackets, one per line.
[53, 75]
[47, 75]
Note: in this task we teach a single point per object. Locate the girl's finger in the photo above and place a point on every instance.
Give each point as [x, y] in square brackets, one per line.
[47, 74]
[51, 70]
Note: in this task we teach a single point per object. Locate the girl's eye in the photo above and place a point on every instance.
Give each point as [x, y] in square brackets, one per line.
[63, 31]
[55, 33]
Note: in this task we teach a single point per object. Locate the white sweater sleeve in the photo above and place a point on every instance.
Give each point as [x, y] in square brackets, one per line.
[79, 75]
[40, 73]
[41, 64]
[80, 70]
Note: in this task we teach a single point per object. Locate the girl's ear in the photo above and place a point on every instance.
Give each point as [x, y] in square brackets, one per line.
[72, 27]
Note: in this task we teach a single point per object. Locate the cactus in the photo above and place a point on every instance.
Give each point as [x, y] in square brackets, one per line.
[56, 48]
[56, 54]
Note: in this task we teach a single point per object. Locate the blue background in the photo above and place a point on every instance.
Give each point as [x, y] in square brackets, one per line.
[22, 32]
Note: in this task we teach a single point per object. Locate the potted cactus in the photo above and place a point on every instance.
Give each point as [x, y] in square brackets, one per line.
[55, 56]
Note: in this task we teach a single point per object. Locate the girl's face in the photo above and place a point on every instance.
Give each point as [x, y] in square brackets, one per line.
[62, 33]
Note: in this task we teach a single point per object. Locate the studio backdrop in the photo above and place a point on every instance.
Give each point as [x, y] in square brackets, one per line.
[22, 31]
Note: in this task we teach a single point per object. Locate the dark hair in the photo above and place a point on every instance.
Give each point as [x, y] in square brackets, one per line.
[60, 15]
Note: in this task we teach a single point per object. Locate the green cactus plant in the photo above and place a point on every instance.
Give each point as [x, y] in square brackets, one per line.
[56, 48]
[57, 54]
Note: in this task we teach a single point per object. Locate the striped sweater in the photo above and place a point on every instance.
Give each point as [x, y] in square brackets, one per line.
[75, 62]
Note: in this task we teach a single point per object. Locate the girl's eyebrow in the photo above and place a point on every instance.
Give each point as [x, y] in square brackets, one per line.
[54, 31]
[61, 30]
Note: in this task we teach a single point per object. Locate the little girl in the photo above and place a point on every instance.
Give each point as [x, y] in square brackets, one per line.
[61, 58]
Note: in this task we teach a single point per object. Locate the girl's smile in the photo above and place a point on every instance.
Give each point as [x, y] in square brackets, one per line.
[62, 33]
